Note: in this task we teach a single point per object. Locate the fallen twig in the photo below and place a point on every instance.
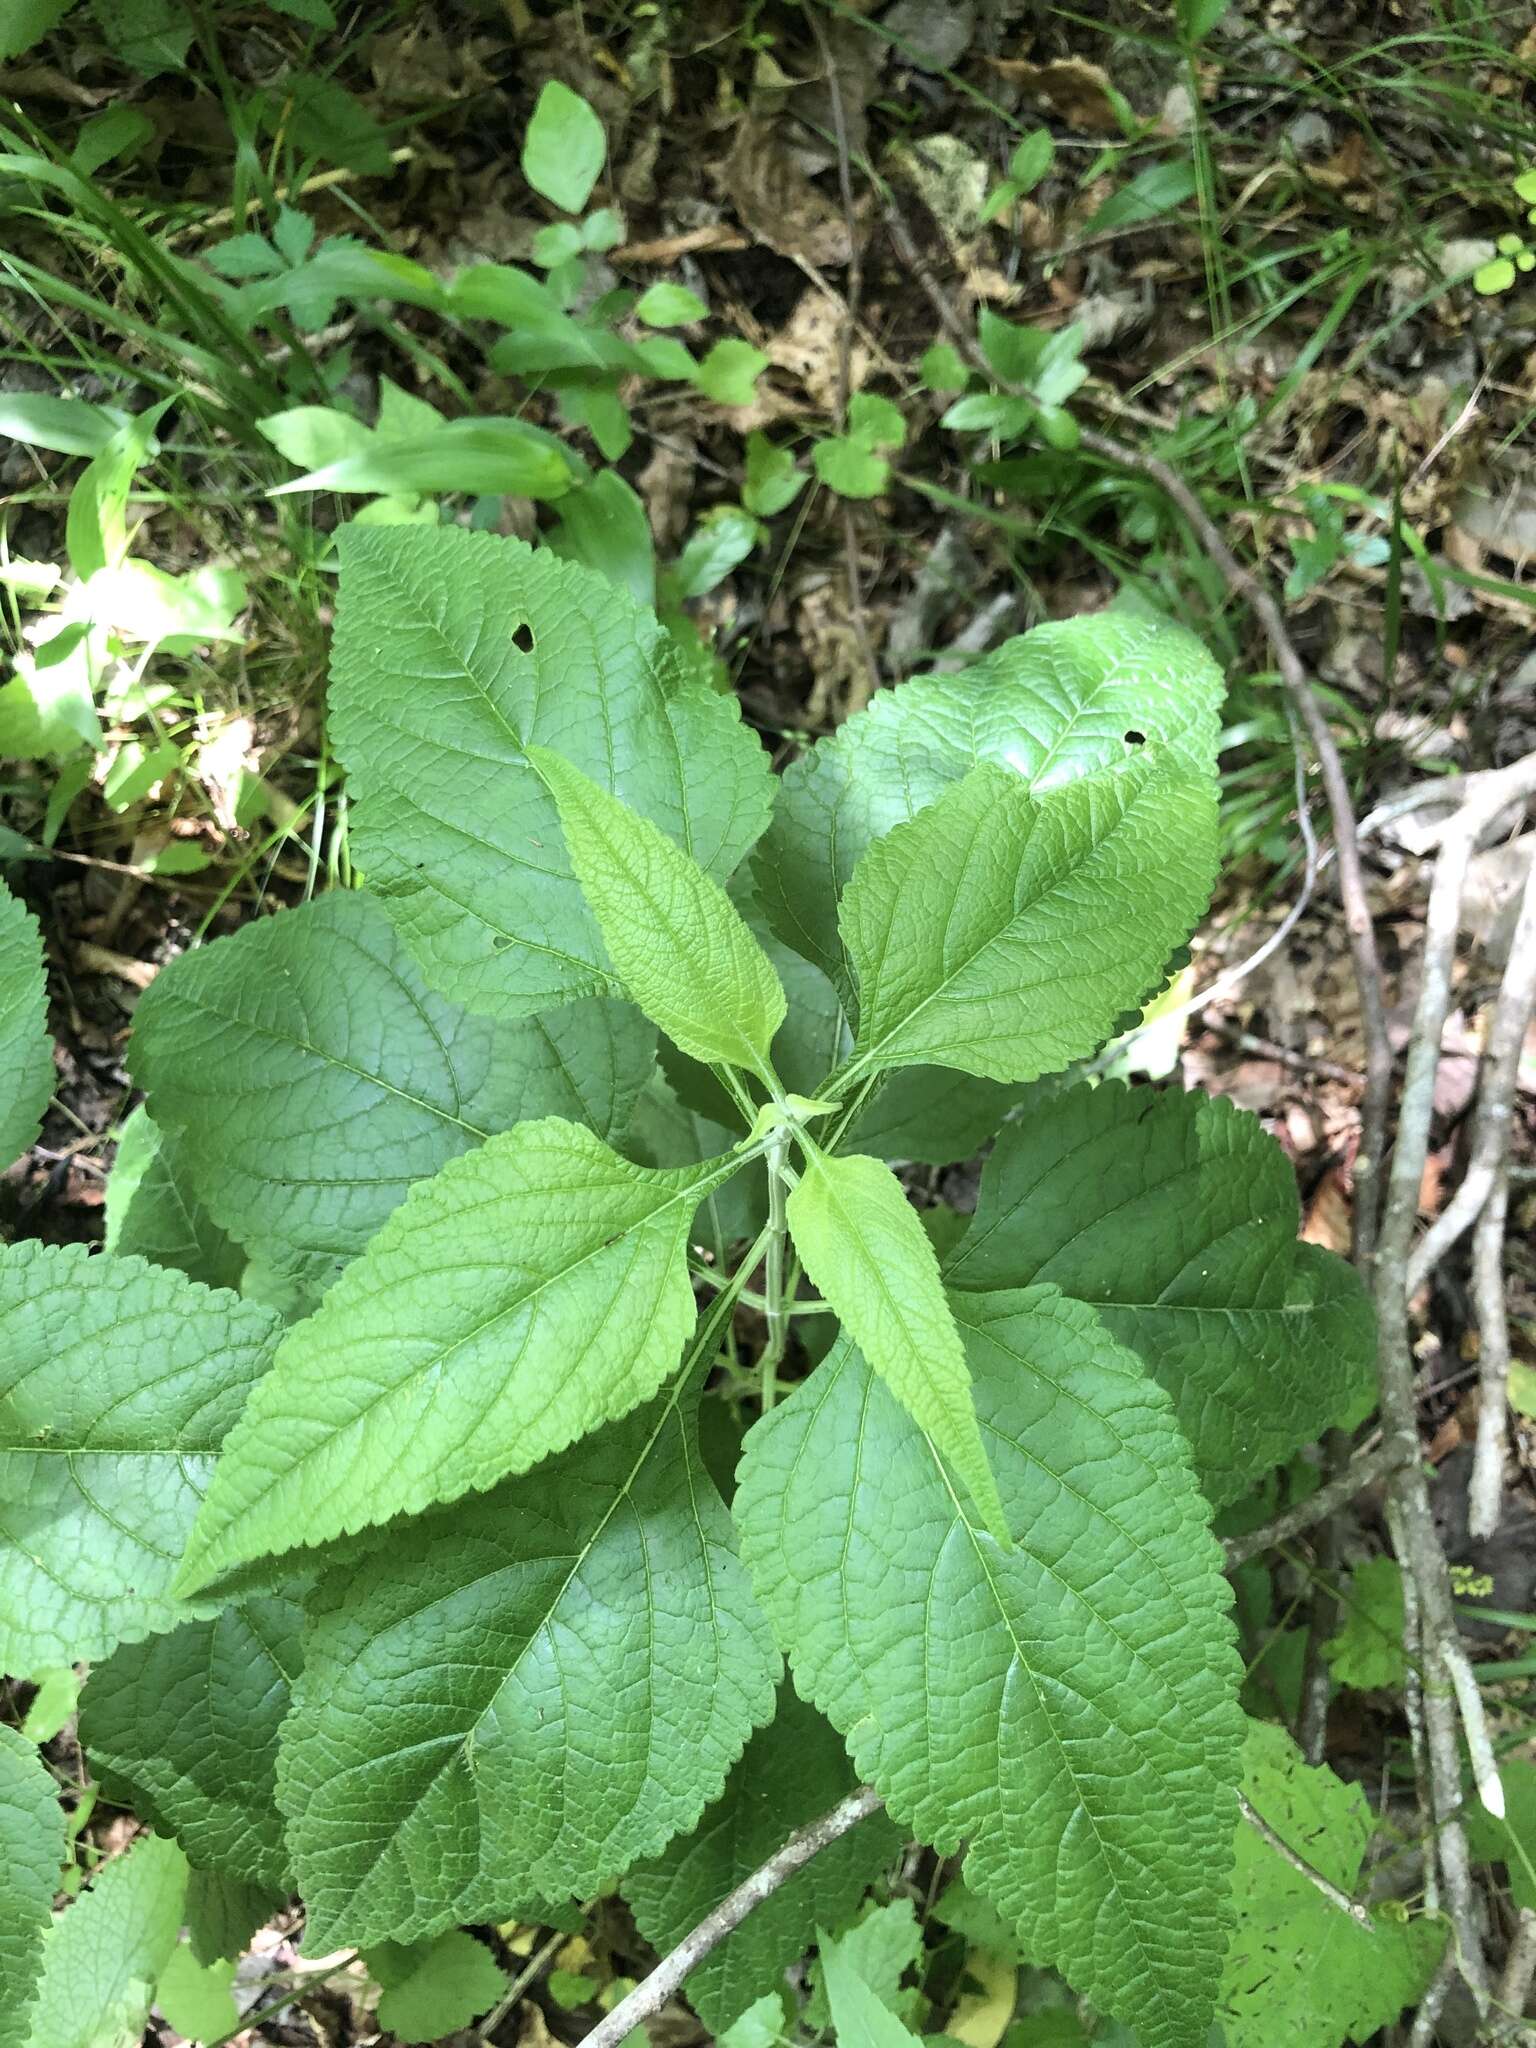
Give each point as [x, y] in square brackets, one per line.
[1340, 1900]
[1363, 1470]
[1485, 1493]
[649, 1996]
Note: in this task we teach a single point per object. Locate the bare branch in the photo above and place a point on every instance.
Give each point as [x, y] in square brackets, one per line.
[1496, 1086]
[1485, 1493]
[1339, 1900]
[648, 1997]
[1363, 1470]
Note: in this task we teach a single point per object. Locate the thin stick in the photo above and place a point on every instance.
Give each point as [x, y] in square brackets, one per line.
[1246, 584]
[1339, 1900]
[1519, 1969]
[1496, 1088]
[1485, 1492]
[648, 1997]
[1364, 1470]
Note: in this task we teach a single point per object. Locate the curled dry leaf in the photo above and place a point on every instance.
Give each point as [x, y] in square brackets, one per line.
[777, 203]
[1080, 92]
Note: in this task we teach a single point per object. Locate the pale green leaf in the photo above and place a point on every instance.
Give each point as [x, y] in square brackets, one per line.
[1156, 190]
[502, 456]
[1052, 705]
[1511, 1841]
[1069, 1706]
[196, 1998]
[47, 419]
[118, 1381]
[434, 1988]
[564, 147]
[791, 1772]
[311, 1077]
[669, 305]
[881, 1946]
[725, 535]
[1367, 1650]
[32, 1848]
[153, 1211]
[761, 2026]
[521, 1695]
[53, 1703]
[850, 469]
[454, 653]
[868, 1255]
[527, 1293]
[1176, 1217]
[104, 1953]
[679, 944]
[1005, 934]
[26, 1050]
[1299, 1970]
[188, 1723]
[729, 373]
[858, 2017]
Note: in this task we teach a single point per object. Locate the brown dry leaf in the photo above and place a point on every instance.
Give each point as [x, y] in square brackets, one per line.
[1327, 1219]
[807, 348]
[666, 485]
[832, 649]
[777, 203]
[1080, 92]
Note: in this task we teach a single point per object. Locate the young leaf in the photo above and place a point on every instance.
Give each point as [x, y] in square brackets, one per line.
[103, 1955]
[729, 373]
[32, 1848]
[1176, 1217]
[679, 943]
[310, 1077]
[1052, 705]
[118, 1381]
[521, 1695]
[869, 1256]
[858, 2017]
[1070, 1706]
[564, 148]
[26, 1051]
[791, 1772]
[188, 1723]
[434, 1988]
[669, 305]
[153, 1212]
[196, 1999]
[1005, 934]
[454, 653]
[1299, 1969]
[527, 1293]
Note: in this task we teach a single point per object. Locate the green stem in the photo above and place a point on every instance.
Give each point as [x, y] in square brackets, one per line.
[773, 1272]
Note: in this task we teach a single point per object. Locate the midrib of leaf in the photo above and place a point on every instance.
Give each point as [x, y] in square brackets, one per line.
[862, 1060]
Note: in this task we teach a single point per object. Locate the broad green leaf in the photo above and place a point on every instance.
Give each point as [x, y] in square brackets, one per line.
[1157, 190]
[53, 1703]
[881, 1947]
[151, 35]
[26, 22]
[118, 1381]
[224, 1912]
[852, 470]
[104, 1954]
[26, 1050]
[1069, 1706]
[564, 147]
[604, 526]
[523, 1694]
[320, 118]
[1005, 934]
[1176, 1217]
[153, 1211]
[436, 1987]
[1367, 1651]
[791, 1772]
[310, 1077]
[858, 2017]
[454, 653]
[681, 947]
[725, 536]
[197, 1998]
[1511, 1841]
[32, 1848]
[1298, 1969]
[1052, 705]
[527, 1293]
[868, 1255]
[188, 1722]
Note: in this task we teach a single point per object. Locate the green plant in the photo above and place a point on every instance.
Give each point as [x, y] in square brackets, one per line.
[409, 1578]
